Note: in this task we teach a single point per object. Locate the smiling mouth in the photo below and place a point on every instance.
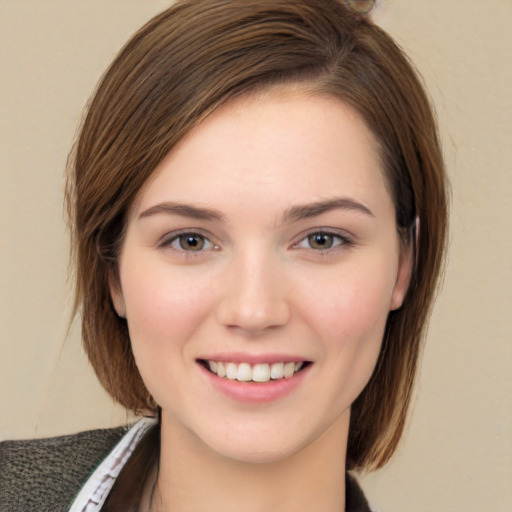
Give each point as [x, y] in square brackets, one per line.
[261, 372]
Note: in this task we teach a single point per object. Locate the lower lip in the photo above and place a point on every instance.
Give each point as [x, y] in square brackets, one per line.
[256, 392]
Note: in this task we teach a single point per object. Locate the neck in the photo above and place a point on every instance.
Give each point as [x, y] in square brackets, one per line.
[193, 477]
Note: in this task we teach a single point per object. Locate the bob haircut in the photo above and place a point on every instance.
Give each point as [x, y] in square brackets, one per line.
[176, 70]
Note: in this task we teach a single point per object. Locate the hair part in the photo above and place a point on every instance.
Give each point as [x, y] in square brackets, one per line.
[180, 67]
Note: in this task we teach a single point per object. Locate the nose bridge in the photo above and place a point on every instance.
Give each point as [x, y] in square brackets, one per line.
[254, 295]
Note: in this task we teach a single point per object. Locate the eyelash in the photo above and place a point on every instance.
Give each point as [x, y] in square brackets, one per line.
[338, 241]
[168, 242]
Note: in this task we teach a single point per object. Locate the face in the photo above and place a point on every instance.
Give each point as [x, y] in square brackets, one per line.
[257, 273]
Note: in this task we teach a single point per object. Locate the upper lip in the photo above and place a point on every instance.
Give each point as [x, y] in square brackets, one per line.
[237, 357]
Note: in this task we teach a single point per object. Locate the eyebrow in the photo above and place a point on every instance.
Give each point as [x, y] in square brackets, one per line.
[292, 214]
[184, 210]
[306, 211]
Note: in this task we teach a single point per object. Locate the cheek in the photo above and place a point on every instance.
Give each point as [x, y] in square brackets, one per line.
[350, 317]
[163, 307]
[352, 308]
[349, 314]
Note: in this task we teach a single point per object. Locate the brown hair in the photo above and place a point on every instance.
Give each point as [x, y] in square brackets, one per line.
[176, 70]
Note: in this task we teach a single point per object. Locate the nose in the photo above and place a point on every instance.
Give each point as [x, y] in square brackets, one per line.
[254, 297]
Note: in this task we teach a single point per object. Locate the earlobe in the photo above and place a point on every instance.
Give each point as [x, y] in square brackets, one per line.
[405, 268]
[403, 279]
[117, 297]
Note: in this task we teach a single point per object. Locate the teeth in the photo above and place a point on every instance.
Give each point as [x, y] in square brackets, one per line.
[289, 370]
[277, 371]
[261, 372]
[244, 373]
[231, 371]
[221, 370]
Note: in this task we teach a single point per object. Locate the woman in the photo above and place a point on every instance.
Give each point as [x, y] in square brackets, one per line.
[257, 200]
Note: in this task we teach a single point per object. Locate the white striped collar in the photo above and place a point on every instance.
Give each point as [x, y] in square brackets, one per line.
[93, 494]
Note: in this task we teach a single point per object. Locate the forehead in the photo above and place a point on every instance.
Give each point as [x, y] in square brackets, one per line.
[276, 145]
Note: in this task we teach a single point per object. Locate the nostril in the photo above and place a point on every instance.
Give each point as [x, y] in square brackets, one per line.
[255, 313]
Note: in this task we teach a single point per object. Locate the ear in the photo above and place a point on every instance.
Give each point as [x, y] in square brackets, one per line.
[405, 267]
[116, 294]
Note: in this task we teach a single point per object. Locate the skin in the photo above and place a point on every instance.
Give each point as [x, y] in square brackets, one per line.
[260, 286]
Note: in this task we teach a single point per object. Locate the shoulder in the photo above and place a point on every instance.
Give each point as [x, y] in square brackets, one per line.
[355, 500]
[45, 474]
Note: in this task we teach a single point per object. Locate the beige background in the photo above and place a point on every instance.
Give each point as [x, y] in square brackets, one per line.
[457, 452]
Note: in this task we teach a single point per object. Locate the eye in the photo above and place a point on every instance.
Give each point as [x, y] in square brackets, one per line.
[190, 242]
[322, 241]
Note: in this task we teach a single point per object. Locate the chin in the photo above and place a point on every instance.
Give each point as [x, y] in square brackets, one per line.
[260, 443]
[250, 454]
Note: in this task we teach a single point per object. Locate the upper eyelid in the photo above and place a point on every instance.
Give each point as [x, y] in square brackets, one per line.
[343, 234]
[172, 235]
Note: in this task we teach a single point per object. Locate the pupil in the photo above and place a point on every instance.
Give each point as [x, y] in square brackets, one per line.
[321, 241]
[191, 242]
